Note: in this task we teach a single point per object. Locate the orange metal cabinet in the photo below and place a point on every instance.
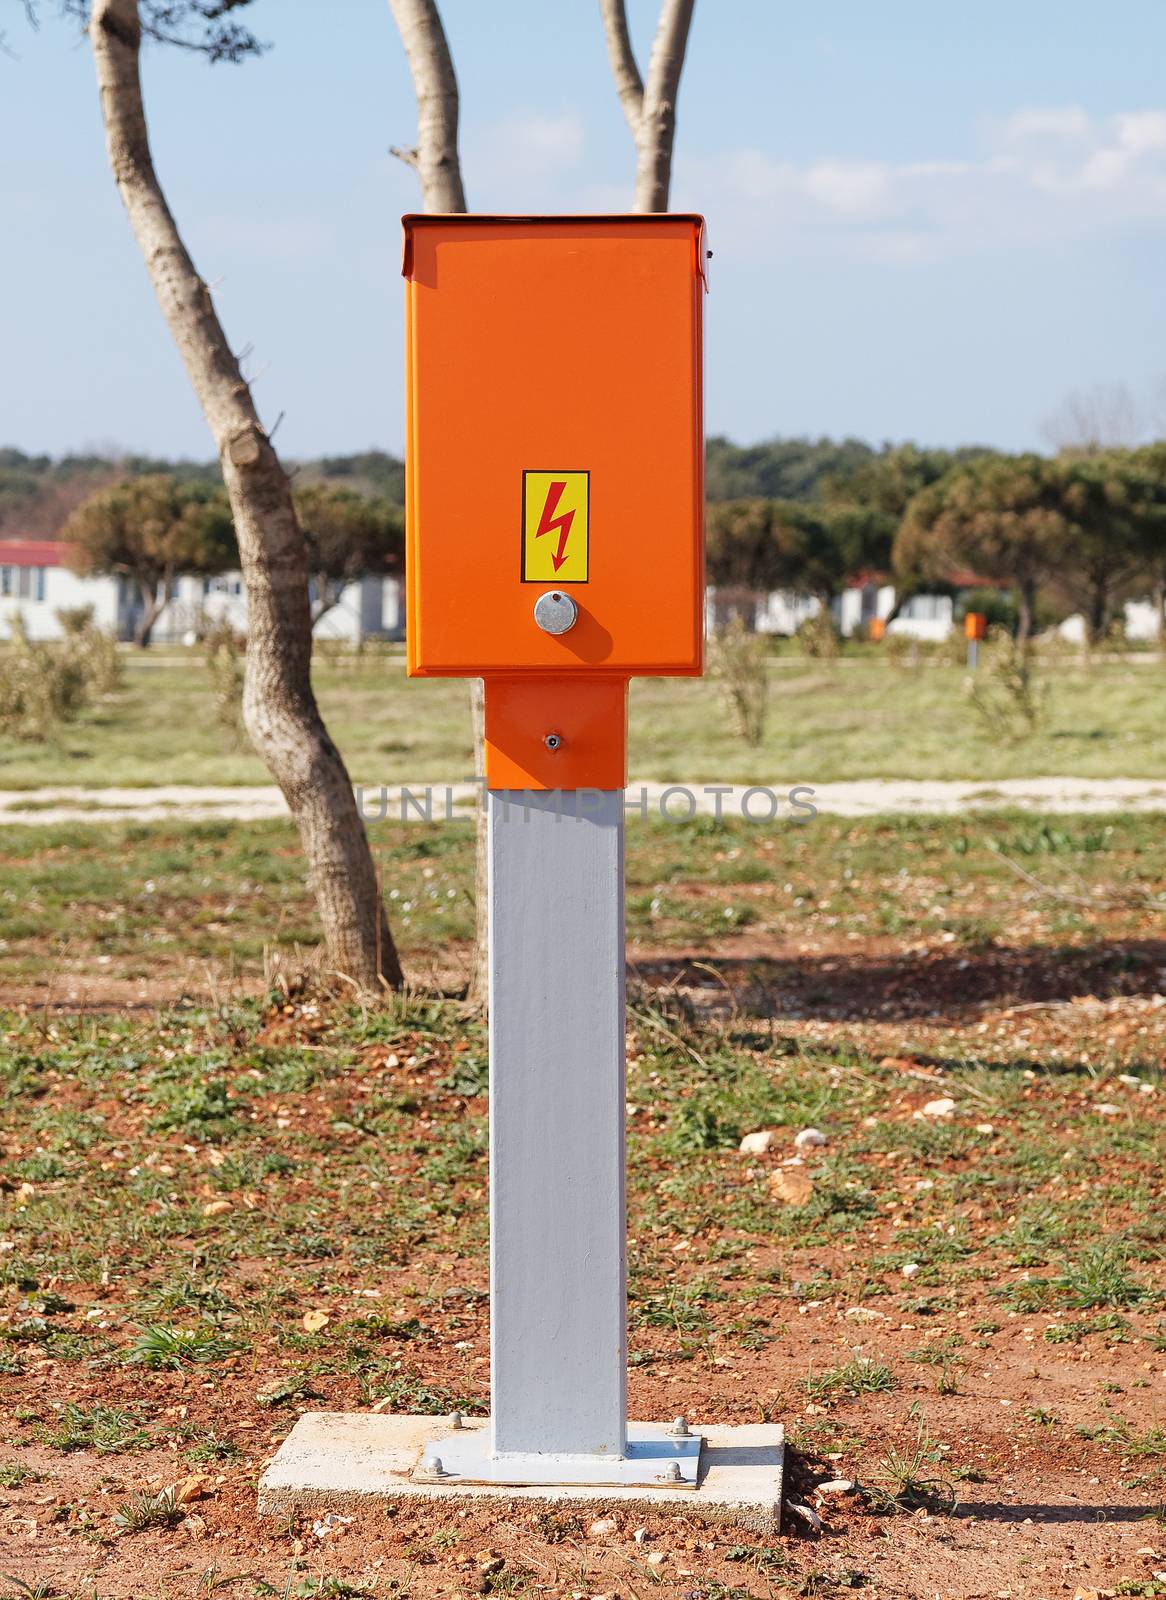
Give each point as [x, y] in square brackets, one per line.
[554, 444]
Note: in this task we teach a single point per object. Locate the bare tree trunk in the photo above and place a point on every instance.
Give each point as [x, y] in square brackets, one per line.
[279, 707]
[435, 155]
[650, 107]
[1025, 607]
[151, 608]
[438, 166]
[1098, 615]
[1158, 594]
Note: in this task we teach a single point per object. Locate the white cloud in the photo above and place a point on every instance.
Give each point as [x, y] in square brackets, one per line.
[855, 188]
[525, 153]
[1059, 122]
[1044, 175]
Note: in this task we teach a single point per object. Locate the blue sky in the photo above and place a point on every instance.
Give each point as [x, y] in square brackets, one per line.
[929, 221]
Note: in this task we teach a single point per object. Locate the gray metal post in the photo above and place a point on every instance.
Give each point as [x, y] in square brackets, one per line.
[558, 1319]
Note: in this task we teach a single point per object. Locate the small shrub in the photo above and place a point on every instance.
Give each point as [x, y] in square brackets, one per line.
[737, 662]
[43, 684]
[818, 637]
[1006, 692]
[225, 654]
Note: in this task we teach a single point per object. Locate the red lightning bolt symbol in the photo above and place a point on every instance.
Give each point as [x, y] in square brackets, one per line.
[548, 522]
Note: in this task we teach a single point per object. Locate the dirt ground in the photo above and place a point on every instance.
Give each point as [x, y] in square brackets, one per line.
[963, 1315]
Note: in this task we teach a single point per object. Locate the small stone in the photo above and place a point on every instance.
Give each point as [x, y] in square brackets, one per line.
[756, 1144]
[601, 1527]
[640, 1535]
[192, 1488]
[837, 1486]
[938, 1108]
[807, 1514]
[330, 1524]
[194, 1525]
[912, 1269]
[216, 1208]
[865, 1314]
[1105, 1109]
[985, 1127]
[792, 1185]
[810, 1139]
[657, 1558]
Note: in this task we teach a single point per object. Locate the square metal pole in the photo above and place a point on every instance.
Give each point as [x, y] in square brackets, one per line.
[558, 1230]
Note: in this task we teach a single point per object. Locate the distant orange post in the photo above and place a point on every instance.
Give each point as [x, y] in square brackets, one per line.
[555, 446]
[975, 625]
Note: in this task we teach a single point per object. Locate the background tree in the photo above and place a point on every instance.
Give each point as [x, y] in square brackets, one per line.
[1100, 495]
[349, 536]
[279, 705]
[781, 469]
[1088, 421]
[1004, 517]
[760, 545]
[1148, 518]
[150, 530]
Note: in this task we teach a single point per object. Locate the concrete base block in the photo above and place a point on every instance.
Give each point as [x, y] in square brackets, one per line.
[333, 1461]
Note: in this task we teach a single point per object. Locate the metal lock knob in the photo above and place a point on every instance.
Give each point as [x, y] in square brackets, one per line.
[555, 612]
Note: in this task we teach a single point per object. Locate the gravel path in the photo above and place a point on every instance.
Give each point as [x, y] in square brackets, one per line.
[866, 797]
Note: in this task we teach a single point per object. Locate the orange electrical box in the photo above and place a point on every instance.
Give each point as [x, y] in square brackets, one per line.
[975, 625]
[554, 459]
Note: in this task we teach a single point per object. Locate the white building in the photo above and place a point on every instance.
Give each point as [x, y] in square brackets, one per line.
[925, 616]
[35, 581]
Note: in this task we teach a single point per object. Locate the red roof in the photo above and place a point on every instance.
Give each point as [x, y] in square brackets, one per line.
[32, 552]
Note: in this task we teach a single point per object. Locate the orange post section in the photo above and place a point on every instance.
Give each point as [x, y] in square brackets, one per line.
[975, 625]
[554, 449]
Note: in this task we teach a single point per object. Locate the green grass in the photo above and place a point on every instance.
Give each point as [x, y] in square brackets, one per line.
[106, 1429]
[161, 1347]
[859, 718]
[132, 901]
[146, 1511]
[849, 1381]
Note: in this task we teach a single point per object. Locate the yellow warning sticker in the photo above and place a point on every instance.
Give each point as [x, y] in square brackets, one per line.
[556, 526]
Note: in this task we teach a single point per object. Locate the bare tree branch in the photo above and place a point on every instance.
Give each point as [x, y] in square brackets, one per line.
[409, 157]
[629, 85]
[431, 66]
[650, 107]
[658, 123]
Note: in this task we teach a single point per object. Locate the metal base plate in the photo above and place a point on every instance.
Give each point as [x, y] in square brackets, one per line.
[654, 1458]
